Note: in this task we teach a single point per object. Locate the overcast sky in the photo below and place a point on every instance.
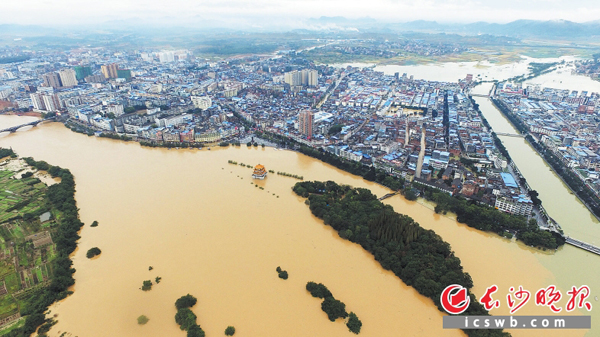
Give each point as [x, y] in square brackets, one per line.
[291, 12]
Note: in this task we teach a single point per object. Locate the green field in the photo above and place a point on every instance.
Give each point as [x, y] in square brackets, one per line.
[12, 283]
[19, 196]
[6, 268]
[8, 306]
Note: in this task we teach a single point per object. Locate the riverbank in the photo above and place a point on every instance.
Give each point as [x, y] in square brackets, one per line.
[395, 240]
[575, 185]
[488, 218]
[42, 226]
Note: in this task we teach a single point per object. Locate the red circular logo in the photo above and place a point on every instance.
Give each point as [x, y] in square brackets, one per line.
[454, 299]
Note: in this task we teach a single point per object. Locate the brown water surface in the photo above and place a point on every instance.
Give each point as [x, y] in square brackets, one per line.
[208, 231]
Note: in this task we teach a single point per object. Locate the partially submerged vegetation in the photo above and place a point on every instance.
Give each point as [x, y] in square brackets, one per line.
[95, 251]
[417, 256]
[186, 318]
[283, 274]
[489, 219]
[230, 331]
[142, 320]
[147, 285]
[45, 271]
[332, 307]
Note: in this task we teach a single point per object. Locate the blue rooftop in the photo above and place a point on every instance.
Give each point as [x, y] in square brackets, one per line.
[509, 180]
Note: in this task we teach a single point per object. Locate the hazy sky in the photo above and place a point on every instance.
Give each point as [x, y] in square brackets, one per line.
[290, 12]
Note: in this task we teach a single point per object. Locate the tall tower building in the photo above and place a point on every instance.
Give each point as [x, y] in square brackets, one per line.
[51, 102]
[292, 78]
[37, 101]
[52, 80]
[313, 78]
[305, 123]
[82, 72]
[110, 70]
[166, 56]
[68, 78]
[421, 153]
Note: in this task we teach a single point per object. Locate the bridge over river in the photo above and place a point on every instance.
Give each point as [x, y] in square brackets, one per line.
[34, 123]
[583, 245]
[509, 134]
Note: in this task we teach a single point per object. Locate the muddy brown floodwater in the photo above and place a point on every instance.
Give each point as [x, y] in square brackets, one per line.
[208, 231]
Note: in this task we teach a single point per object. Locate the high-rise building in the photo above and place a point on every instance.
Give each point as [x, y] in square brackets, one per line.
[52, 80]
[202, 102]
[110, 70]
[82, 72]
[51, 102]
[68, 78]
[292, 78]
[308, 77]
[37, 101]
[45, 102]
[166, 56]
[313, 77]
[95, 79]
[124, 73]
[305, 123]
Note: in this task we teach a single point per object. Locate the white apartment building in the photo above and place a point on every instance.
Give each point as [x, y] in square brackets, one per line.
[201, 102]
[520, 205]
[68, 77]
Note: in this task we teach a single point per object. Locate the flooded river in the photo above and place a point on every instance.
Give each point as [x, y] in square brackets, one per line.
[208, 231]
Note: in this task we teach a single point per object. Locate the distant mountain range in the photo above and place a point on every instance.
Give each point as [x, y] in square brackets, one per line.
[556, 29]
[522, 29]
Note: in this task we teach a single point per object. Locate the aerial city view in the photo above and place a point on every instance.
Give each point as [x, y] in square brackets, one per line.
[284, 168]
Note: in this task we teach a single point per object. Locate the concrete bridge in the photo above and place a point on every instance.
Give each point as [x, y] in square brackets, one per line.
[583, 245]
[480, 95]
[509, 134]
[34, 123]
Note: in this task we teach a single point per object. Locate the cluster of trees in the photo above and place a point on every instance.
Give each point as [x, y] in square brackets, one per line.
[94, 224]
[80, 129]
[230, 331]
[6, 152]
[487, 218]
[417, 256]
[60, 198]
[535, 70]
[115, 136]
[147, 285]
[335, 129]
[285, 174]
[18, 205]
[186, 318]
[171, 144]
[142, 320]
[95, 251]
[14, 59]
[354, 324]
[283, 274]
[134, 108]
[332, 307]
[367, 172]
[570, 178]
